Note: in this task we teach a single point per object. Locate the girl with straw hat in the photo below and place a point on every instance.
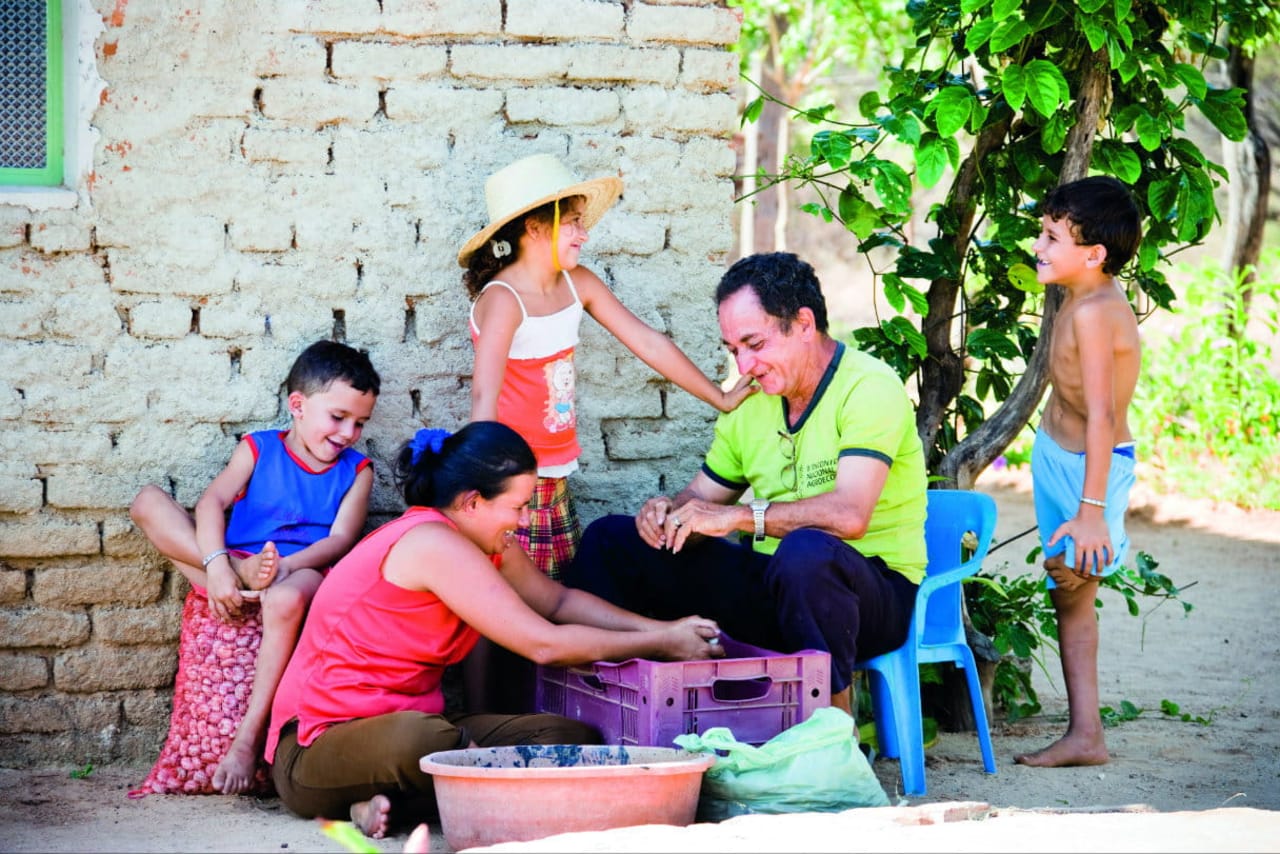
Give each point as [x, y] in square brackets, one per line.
[529, 295]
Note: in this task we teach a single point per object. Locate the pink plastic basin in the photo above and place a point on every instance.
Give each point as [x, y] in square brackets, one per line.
[489, 795]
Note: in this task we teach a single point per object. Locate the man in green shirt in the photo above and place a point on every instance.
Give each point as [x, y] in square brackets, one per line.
[832, 542]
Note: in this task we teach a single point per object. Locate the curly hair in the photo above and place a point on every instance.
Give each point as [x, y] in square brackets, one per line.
[483, 265]
[782, 282]
[1101, 210]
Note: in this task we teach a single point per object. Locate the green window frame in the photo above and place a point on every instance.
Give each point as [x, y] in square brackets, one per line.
[27, 60]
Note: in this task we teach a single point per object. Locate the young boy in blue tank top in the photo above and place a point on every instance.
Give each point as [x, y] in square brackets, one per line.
[286, 507]
[1082, 461]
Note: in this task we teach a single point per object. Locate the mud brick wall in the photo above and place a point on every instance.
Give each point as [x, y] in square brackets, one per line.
[258, 174]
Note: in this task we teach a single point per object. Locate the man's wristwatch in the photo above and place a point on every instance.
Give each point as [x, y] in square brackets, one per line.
[758, 506]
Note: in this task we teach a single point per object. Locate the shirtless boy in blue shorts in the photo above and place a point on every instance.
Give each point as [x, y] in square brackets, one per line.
[1082, 460]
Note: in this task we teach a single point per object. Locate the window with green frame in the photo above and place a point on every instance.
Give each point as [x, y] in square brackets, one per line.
[31, 93]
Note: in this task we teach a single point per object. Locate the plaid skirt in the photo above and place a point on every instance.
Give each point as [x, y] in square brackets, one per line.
[552, 538]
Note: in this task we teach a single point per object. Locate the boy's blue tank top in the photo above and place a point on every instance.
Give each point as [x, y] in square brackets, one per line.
[285, 501]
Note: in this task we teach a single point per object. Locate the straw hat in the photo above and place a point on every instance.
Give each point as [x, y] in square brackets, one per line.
[532, 182]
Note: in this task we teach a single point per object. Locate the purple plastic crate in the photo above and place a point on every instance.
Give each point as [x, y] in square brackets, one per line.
[754, 692]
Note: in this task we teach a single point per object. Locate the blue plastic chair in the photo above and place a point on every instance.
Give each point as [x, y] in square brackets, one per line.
[936, 634]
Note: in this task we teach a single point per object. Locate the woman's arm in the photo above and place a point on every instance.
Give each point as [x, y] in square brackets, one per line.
[652, 347]
[434, 557]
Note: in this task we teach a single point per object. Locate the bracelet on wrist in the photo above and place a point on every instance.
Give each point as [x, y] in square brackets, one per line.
[211, 557]
[1095, 502]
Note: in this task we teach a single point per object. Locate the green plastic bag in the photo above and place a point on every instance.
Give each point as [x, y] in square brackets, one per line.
[814, 766]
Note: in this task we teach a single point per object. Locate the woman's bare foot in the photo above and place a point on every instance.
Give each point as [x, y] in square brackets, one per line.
[256, 572]
[419, 842]
[234, 774]
[372, 816]
[1067, 751]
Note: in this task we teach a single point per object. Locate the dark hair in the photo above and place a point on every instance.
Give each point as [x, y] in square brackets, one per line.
[482, 456]
[482, 266]
[782, 282]
[1101, 210]
[319, 365]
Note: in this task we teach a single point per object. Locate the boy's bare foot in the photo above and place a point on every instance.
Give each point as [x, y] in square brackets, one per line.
[372, 816]
[234, 774]
[256, 572]
[1068, 751]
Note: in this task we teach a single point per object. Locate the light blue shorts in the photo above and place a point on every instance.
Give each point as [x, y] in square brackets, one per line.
[1057, 481]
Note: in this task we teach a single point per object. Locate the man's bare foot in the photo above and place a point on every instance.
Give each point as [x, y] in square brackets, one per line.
[1068, 751]
[234, 774]
[256, 572]
[372, 816]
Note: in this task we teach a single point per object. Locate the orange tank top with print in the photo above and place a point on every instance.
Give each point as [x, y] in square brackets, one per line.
[538, 394]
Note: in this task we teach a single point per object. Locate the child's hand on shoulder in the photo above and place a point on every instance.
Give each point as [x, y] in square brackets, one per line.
[742, 389]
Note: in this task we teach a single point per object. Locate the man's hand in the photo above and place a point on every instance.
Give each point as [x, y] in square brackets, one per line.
[703, 518]
[652, 521]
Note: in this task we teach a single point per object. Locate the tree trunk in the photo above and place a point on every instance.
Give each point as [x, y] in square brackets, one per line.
[975, 452]
[1249, 164]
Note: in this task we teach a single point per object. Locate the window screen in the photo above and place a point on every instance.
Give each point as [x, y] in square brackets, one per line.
[30, 92]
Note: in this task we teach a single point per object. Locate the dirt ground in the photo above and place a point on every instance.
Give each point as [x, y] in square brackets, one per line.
[1217, 663]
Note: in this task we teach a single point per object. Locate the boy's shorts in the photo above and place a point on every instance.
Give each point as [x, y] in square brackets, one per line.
[1057, 481]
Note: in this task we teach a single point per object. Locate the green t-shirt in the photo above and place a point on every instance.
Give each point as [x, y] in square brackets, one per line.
[860, 409]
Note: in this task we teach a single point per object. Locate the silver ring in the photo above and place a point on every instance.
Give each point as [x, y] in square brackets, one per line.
[675, 520]
[715, 641]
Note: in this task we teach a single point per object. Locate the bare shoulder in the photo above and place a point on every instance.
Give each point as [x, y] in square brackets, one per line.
[586, 282]
[497, 304]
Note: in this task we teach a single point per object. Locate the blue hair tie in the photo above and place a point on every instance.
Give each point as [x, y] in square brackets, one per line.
[428, 438]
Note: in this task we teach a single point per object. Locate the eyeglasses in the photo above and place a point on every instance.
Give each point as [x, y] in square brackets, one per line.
[787, 444]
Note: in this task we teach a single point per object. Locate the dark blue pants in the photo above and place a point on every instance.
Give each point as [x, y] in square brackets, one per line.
[814, 592]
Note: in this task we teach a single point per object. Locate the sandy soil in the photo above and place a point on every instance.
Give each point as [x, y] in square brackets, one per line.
[1217, 663]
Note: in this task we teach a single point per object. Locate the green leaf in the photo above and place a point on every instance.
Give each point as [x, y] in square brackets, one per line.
[1162, 195]
[893, 186]
[869, 105]
[968, 7]
[1225, 110]
[931, 160]
[1002, 9]
[893, 292]
[1190, 77]
[1045, 86]
[979, 34]
[1114, 157]
[818, 210]
[1054, 134]
[858, 215]
[1013, 83]
[918, 299]
[752, 112]
[1123, 8]
[1094, 30]
[983, 343]
[950, 109]
[1022, 277]
[1090, 6]
[1008, 33]
[832, 147]
[902, 330]
[1149, 131]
